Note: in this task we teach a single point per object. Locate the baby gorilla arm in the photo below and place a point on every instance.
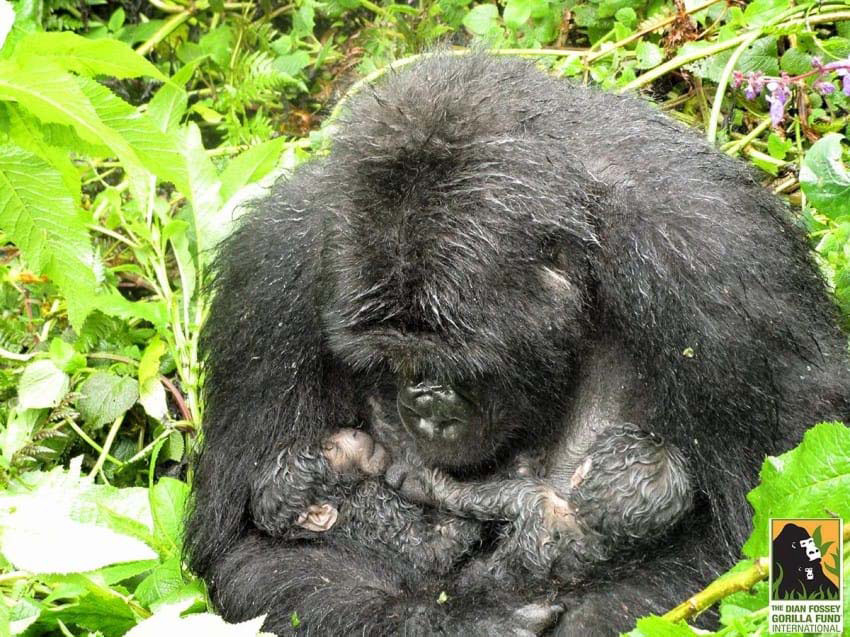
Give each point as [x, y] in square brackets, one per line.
[630, 487]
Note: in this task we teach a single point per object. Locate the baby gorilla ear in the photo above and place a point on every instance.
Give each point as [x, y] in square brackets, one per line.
[318, 518]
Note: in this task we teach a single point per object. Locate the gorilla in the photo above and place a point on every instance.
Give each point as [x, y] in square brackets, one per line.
[797, 567]
[514, 264]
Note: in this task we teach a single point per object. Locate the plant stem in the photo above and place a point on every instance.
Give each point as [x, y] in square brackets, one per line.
[107, 445]
[82, 434]
[711, 133]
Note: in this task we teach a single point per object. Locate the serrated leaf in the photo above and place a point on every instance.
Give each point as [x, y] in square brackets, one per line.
[42, 385]
[204, 191]
[167, 621]
[810, 481]
[165, 579]
[53, 523]
[105, 396]
[73, 52]
[481, 18]
[168, 503]
[252, 165]
[168, 106]
[157, 152]
[100, 609]
[824, 178]
[40, 217]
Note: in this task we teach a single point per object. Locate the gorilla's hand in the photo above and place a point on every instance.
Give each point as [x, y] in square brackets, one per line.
[413, 483]
[528, 620]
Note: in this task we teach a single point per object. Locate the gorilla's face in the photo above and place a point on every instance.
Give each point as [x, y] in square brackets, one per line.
[467, 292]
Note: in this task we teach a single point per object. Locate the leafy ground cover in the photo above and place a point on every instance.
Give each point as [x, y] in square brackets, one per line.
[131, 131]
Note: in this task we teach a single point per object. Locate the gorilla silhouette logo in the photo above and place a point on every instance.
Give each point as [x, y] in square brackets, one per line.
[797, 569]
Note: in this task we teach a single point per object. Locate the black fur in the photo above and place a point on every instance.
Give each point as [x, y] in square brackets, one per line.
[480, 224]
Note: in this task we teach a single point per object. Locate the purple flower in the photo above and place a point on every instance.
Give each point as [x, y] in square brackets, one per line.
[845, 80]
[823, 86]
[737, 79]
[778, 97]
[755, 84]
[817, 64]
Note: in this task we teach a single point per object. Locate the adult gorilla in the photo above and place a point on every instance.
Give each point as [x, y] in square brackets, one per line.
[518, 259]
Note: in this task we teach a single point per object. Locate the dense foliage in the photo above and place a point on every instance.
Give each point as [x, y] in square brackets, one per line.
[129, 134]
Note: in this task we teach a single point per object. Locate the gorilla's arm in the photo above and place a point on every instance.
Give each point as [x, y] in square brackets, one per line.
[630, 488]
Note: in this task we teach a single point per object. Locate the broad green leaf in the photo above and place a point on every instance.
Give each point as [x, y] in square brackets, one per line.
[51, 142]
[157, 152]
[517, 12]
[649, 55]
[42, 385]
[811, 481]
[168, 106]
[65, 357]
[152, 398]
[55, 96]
[105, 396]
[825, 179]
[204, 191]
[73, 52]
[51, 523]
[167, 621]
[778, 147]
[163, 580]
[168, 503]
[149, 363]
[39, 215]
[7, 19]
[100, 609]
[481, 18]
[252, 165]
[657, 627]
[19, 427]
[760, 12]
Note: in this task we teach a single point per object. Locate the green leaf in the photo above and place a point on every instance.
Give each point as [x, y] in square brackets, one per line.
[101, 609]
[105, 396]
[657, 627]
[810, 481]
[649, 55]
[42, 385]
[19, 428]
[164, 580]
[65, 356]
[168, 503]
[252, 165]
[168, 106]
[204, 191]
[824, 178]
[760, 12]
[73, 52]
[54, 523]
[55, 96]
[481, 18]
[778, 147]
[149, 363]
[167, 621]
[155, 151]
[517, 13]
[40, 217]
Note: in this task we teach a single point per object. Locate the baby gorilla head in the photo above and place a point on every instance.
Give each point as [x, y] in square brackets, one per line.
[350, 451]
[311, 484]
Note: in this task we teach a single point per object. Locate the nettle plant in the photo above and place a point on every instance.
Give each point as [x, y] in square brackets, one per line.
[779, 89]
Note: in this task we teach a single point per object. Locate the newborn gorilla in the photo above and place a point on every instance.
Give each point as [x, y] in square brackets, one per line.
[517, 263]
[630, 489]
[334, 490]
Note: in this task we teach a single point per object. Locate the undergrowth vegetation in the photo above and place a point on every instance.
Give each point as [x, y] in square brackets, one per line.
[131, 131]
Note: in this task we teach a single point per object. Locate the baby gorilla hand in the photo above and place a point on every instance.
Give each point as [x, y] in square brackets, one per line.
[412, 483]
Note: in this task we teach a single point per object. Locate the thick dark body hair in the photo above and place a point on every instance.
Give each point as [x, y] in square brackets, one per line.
[479, 221]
